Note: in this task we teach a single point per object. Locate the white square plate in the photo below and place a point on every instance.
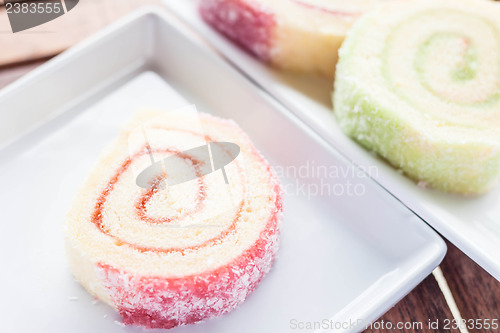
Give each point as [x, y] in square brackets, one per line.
[472, 224]
[343, 257]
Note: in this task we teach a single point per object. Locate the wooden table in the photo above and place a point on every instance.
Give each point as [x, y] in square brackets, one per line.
[475, 293]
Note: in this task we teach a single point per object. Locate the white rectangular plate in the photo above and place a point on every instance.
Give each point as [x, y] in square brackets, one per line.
[343, 257]
[472, 224]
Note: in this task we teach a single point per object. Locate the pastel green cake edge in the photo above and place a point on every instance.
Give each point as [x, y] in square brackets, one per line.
[440, 165]
[461, 167]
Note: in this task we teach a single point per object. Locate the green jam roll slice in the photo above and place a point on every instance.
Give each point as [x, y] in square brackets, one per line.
[418, 82]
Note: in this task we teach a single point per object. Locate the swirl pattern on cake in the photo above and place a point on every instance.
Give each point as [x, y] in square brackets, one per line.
[419, 83]
[171, 256]
[297, 35]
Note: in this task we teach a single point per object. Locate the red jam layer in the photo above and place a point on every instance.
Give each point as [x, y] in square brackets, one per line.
[157, 302]
[243, 22]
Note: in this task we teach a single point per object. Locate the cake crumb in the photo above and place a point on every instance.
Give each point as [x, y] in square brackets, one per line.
[119, 323]
[422, 184]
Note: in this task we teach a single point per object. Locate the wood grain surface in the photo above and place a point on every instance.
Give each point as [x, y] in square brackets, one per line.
[55, 36]
[423, 306]
[476, 293]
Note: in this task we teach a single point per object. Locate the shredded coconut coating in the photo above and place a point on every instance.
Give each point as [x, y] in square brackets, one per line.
[297, 35]
[137, 250]
[417, 82]
[156, 302]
